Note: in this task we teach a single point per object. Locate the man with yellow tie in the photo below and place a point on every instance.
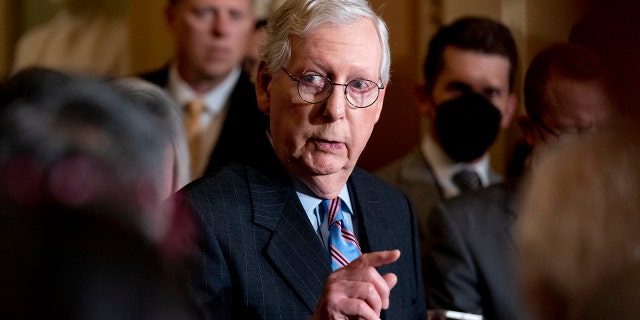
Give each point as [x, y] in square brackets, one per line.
[205, 78]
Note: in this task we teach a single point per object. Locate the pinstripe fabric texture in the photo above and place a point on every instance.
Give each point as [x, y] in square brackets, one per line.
[260, 258]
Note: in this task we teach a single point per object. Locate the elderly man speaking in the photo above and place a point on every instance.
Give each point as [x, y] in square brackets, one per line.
[307, 234]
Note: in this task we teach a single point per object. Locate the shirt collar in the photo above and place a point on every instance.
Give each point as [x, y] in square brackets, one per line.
[310, 202]
[214, 100]
[444, 167]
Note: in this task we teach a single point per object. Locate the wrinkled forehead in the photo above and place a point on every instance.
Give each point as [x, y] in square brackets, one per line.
[356, 45]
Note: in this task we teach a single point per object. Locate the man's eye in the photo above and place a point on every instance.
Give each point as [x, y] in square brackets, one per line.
[313, 79]
[491, 93]
[236, 15]
[361, 85]
[203, 12]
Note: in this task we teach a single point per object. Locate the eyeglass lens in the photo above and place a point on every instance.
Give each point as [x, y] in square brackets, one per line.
[315, 88]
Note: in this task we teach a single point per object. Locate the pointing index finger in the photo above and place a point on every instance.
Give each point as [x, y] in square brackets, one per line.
[376, 259]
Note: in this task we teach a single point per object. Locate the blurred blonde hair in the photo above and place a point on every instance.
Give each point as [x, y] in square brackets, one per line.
[580, 218]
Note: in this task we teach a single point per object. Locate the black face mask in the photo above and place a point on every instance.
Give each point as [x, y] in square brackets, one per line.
[467, 126]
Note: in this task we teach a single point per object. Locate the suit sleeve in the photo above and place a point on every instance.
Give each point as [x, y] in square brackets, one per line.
[421, 307]
[451, 279]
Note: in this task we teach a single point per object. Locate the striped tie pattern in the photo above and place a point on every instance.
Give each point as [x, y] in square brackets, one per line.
[343, 245]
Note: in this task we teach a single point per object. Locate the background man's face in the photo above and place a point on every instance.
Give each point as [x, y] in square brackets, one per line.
[467, 71]
[211, 35]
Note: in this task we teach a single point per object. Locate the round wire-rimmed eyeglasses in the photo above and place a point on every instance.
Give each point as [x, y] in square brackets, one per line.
[315, 88]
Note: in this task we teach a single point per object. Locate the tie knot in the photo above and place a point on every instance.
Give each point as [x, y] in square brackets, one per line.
[467, 180]
[332, 209]
[194, 107]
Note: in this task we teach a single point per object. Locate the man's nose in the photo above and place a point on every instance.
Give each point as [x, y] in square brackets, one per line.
[336, 104]
[220, 25]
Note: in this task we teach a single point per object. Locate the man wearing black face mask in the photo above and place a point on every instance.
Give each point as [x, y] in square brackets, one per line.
[466, 127]
[469, 250]
[467, 60]
[470, 56]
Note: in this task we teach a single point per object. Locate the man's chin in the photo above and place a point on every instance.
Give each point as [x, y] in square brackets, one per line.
[325, 164]
[214, 72]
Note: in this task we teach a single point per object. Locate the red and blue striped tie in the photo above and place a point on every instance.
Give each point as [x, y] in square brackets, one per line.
[343, 245]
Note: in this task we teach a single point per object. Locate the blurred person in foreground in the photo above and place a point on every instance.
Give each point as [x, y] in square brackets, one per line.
[153, 99]
[81, 170]
[309, 235]
[577, 234]
[471, 55]
[215, 97]
[469, 254]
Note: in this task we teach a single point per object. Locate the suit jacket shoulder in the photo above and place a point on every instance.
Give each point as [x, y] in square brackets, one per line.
[243, 137]
[159, 77]
[412, 174]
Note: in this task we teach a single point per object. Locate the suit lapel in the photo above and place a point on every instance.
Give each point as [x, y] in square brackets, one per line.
[293, 249]
[376, 219]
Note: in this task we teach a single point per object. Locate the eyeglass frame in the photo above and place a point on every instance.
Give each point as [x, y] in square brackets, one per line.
[333, 84]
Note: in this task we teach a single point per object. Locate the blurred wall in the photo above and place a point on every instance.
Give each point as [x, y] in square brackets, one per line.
[8, 34]
[151, 41]
[398, 128]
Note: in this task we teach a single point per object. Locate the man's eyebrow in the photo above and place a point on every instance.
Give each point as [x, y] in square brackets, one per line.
[459, 85]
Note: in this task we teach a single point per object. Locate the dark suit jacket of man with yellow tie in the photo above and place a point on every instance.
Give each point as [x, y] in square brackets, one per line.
[243, 126]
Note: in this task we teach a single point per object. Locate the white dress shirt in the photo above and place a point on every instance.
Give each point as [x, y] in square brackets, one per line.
[211, 120]
[215, 100]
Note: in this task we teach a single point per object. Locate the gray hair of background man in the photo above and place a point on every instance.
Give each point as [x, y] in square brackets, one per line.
[301, 17]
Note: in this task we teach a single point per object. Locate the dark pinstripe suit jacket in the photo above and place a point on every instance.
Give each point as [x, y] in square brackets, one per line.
[259, 257]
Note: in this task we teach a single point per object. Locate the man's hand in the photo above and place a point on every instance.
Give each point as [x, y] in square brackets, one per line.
[358, 291]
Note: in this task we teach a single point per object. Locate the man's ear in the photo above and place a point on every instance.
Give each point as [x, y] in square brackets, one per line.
[424, 103]
[509, 112]
[170, 14]
[528, 129]
[263, 84]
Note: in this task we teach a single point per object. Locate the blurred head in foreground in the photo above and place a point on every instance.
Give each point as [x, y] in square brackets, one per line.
[81, 170]
[157, 102]
[579, 220]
